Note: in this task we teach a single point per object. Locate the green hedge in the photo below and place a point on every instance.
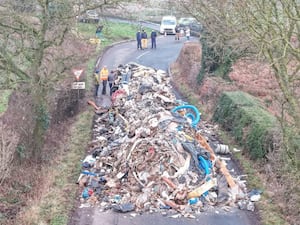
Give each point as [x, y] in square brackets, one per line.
[245, 118]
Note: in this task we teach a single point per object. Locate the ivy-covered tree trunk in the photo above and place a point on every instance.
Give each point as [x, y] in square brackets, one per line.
[42, 121]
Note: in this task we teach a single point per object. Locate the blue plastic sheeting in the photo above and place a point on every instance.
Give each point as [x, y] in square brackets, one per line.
[205, 165]
[85, 193]
[195, 118]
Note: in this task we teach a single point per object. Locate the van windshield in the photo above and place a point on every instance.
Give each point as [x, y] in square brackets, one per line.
[168, 22]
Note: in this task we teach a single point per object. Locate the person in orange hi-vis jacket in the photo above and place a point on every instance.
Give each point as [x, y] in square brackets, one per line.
[103, 77]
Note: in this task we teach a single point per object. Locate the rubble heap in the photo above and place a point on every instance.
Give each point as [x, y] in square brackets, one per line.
[149, 154]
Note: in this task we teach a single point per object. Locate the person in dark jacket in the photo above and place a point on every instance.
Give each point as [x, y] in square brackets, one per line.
[139, 40]
[144, 39]
[177, 31]
[111, 79]
[98, 31]
[153, 39]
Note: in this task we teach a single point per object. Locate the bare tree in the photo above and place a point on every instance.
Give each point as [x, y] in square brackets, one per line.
[33, 56]
[222, 41]
[33, 32]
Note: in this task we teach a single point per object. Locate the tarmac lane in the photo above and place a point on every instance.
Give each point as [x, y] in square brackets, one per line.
[216, 217]
[166, 52]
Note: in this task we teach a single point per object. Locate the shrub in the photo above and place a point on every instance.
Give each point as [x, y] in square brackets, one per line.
[245, 118]
[216, 58]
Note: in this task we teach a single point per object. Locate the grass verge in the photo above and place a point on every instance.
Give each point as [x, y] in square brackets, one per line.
[112, 32]
[58, 190]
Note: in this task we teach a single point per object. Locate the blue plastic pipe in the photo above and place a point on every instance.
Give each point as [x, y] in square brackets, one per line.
[191, 116]
[195, 118]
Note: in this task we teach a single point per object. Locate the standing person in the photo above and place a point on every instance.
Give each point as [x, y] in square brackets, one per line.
[187, 33]
[111, 80]
[98, 31]
[126, 74]
[177, 31]
[103, 77]
[139, 40]
[153, 39]
[97, 81]
[115, 86]
[144, 39]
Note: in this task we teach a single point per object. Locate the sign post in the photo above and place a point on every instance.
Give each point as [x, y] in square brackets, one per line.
[78, 85]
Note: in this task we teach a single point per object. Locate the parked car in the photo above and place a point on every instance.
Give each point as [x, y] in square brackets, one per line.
[192, 23]
[90, 16]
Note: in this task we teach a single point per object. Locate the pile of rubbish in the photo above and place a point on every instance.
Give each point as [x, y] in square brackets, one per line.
[149, 153]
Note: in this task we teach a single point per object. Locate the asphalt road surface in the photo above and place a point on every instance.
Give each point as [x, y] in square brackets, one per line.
[93, 216]
[160, 58]
[167, 52]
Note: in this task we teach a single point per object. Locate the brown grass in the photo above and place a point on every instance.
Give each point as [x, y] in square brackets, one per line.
[55, 193]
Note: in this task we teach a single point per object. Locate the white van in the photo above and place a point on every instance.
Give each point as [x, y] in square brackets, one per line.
[168, 24]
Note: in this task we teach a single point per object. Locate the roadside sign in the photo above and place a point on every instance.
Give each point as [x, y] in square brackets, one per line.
[77, 73]
[78, 85]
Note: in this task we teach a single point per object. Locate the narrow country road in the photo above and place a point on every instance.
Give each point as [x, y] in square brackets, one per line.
[167, 52]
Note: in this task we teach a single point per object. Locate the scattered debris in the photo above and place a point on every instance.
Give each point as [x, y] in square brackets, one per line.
[126, 207]
[236, 150]
[255, 195]
[222, 149]
[149, 154]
